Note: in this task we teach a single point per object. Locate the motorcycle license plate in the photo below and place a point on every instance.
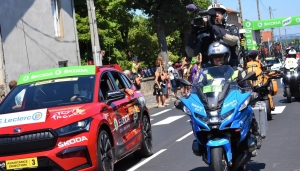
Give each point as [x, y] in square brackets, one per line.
[21, 163]
[212, 88]
[292, 69]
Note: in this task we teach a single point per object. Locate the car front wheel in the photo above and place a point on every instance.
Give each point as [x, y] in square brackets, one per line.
[105, 152]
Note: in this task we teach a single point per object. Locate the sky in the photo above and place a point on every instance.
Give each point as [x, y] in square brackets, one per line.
[281, 9]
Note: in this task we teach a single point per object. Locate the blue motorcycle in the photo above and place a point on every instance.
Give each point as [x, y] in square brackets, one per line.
[222, 118]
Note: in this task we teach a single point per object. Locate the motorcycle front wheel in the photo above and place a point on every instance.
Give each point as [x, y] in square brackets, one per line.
[288, 95]
[218, 160]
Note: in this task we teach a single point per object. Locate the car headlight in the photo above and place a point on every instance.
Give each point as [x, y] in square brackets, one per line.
[187, 110]
[245, 104]
[83, 125]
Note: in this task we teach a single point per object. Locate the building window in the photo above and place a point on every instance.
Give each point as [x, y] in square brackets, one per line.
[56, 14]
[62, 64]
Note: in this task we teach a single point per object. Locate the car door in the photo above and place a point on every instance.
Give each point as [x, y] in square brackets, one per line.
[130, 130]
[113, 112]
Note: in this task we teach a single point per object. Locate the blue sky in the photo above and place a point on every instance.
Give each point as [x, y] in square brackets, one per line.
[282, 8]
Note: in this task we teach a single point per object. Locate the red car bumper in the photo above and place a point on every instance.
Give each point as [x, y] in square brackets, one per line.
[66, 153]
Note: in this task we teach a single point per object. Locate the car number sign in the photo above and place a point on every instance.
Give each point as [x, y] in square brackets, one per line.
[21, 163]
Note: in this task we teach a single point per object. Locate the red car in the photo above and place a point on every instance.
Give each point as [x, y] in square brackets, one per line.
[73, 118]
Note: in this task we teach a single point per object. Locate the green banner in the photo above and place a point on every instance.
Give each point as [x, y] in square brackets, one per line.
[272, 23]
[56, 73]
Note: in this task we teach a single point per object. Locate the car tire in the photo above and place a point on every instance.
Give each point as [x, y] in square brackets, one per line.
[146, 144]
[105, 152]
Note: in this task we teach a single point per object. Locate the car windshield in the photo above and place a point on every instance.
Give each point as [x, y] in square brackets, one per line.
[272, 61]
[49, 93]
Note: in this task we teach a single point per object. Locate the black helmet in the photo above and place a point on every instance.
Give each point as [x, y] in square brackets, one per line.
[252, 54]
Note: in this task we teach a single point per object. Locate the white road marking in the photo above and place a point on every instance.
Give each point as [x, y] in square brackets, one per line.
[161, 112]
[278, 110]
[188, 134]
[168, 120]
[151, 119]
[188, 120]
[146, 160]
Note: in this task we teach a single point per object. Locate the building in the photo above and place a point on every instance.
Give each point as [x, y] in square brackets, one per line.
[36, 34]
[232, 17]
[267, 36]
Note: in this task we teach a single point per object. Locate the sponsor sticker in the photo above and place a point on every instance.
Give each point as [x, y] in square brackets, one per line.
[116, 124]
[67, 114]
[232, 104]
[21, 118]
[71, 141]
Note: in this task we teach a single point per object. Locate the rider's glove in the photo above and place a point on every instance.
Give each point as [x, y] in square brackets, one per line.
[219, 32]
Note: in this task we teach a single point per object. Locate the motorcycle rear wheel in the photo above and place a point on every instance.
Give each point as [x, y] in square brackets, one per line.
[268, 108]
[218, 160]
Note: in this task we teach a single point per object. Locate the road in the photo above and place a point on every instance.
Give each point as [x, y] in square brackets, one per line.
[172, 142]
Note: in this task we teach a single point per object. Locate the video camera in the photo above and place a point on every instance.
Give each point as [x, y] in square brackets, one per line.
[199, 22]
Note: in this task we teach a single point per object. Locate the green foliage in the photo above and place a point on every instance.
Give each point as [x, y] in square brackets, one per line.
[124, 35]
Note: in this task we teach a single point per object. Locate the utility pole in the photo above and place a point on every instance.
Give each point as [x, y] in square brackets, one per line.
[285, 37]
[259, 19]
[241, 13]
[272, 34]
[94, 33]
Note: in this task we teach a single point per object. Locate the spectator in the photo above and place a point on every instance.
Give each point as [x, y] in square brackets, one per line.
[158, 87]
[127, 73]
[12, 84]
[135, 65]
[137, 79]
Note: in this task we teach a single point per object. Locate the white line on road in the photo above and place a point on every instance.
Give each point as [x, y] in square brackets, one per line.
[188, 134]
[161, 112]
[278, 110]
[168, 120]
[146, 160]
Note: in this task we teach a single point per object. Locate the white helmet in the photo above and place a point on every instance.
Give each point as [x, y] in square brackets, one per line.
[219, 7]
[292, 53]
[217, 49]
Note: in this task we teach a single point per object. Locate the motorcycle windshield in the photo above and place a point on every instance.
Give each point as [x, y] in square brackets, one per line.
[212, 85]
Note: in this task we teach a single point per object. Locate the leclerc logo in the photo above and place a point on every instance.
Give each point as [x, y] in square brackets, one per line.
[37, 116]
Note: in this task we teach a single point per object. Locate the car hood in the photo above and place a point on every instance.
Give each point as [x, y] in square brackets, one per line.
[54, 118]
[276, 66]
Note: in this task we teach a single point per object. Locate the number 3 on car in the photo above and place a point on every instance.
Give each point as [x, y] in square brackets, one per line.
[73, 118]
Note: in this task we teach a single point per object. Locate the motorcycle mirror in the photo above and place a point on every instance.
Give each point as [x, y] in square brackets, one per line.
[192, 8]
[249, 76]
[178, 105]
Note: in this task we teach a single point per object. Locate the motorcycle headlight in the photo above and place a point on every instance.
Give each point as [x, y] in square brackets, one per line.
[202, 118]
[226, 115]
[186, 110]
[245, 104]
[83, 125]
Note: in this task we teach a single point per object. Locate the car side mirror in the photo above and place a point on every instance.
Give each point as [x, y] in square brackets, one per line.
[113, 95]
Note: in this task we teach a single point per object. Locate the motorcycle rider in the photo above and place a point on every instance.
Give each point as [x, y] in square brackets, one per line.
[216, 28]
[290, 58]
[254, 65]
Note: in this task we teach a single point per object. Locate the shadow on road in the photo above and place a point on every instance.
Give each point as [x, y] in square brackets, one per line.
[285, 101]
[126, 163]
[251, 166]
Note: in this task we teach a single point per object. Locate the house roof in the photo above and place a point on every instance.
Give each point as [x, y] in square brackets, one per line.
[231, 11]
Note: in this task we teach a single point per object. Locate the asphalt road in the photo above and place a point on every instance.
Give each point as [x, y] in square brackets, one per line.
[172, 141]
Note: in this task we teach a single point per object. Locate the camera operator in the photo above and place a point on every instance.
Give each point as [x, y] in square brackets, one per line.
[216, 29]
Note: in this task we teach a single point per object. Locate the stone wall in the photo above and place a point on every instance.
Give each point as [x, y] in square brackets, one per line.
[147, 85]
